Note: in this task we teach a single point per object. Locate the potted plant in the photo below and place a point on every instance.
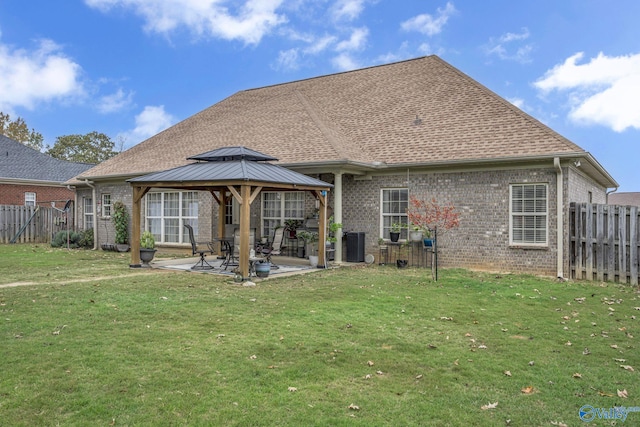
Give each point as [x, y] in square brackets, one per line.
[291, 225]
[332, 236]
[396, 229]
[416, 233]
[121, 223]
[427, 241]
[147, 248]
[309, 239]
[403, 255]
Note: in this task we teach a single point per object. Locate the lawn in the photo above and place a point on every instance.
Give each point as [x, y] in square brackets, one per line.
[88, 341]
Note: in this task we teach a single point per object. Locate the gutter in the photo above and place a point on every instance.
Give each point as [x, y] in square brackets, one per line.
[559, 217]
[95, 213]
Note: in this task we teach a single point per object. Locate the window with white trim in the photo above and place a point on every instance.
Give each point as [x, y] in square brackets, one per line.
[106, 205]
[29, 198]
[278, 206]
[87, 204]
[529, 214]
[393, 210]
[168, 212]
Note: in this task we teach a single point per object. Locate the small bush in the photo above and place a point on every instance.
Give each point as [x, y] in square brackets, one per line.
[60, 239]
[86, 239]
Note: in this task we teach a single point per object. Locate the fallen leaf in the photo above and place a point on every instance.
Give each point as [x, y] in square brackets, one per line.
[627, 367]
[467, 334]
[527, 390]
[370, 363]
[292, 389]
[507, 373]
[532, 363]
[253, 357]
[568, 343]
[419, 376]
[379, 372]
[623, 393]
[368, 376]
[605, 394]
[620, 360]
[489, 406]
[614, 346]
[482, 346]
[271, 367]
[354, 407]
[577, 375]
[559, 424]
[586, 351]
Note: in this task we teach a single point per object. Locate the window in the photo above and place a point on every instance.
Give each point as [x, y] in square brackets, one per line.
[280, 206]
[529, 214]
[393, 209]
[29, 199]
[167, 213]
[106, 205]
[87, 203]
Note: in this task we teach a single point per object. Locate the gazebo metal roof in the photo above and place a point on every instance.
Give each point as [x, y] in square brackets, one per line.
[238, 171]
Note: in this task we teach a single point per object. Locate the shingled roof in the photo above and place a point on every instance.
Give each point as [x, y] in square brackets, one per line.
[24, 164]
[421, 111]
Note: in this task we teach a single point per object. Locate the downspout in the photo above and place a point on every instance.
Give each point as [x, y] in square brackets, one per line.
[75, 207]
[95, 213]
[559, 217]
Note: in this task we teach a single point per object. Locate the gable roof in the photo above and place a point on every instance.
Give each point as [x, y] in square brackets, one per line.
[24, 164]
[420, 111]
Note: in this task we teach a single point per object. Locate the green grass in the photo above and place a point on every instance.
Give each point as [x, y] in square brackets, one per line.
[92, 342]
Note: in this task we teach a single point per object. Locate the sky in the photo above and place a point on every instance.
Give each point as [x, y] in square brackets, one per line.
[131, 68]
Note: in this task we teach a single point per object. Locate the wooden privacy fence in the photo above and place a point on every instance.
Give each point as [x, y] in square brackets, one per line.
[604, 243]
[29, 224]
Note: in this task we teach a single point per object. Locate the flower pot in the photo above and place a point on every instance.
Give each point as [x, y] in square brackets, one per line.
[402, 263]
[122, 247]
[263, 269]
[313, 260]
[146, 256]
[415, 236]
[428, 242]
[394, 236]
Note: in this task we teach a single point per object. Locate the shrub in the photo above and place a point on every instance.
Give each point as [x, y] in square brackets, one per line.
[86, 239]
[60, 239]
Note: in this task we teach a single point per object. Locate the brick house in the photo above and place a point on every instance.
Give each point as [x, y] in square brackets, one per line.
[380, 134]
[29, 177]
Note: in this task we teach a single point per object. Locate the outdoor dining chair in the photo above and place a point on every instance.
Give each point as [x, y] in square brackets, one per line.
[199, 249]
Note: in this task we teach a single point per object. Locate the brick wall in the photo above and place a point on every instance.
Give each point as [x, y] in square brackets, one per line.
[11, 194]
[482, 198]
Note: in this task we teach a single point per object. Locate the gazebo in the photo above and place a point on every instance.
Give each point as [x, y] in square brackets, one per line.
[227, 172]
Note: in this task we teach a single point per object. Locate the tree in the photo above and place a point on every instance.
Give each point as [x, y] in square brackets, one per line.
[19, 131]
[429, 215]
[93, 147]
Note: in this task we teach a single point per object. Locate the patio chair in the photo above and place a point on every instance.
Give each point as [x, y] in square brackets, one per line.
[276, 246]
[233, 251]
[199, 249]
[230, 259]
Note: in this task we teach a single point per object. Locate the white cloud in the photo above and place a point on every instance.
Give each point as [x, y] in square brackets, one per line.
[251, 21]
[115, 102]
[287, 60]
[347, 9]
[320, 45]
[428, 24]
[603, 91]
[356, 42]
[42, 75]
[501, 47]
[345, 62]
[152, 120]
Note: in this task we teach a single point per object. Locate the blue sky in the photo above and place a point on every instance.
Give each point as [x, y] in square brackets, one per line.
[131, 68]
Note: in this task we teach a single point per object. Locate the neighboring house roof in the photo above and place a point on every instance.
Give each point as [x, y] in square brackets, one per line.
[625, 199]
[421, 111]
[19, 163]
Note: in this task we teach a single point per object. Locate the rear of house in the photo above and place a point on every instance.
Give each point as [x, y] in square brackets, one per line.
[379, 135]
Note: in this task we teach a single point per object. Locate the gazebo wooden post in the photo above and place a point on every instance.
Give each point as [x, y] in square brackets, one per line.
[245, 216]
[322, 227]
[136, 210]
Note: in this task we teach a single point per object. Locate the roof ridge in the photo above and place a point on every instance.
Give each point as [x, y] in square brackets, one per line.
[335, 137]
[514, 109]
